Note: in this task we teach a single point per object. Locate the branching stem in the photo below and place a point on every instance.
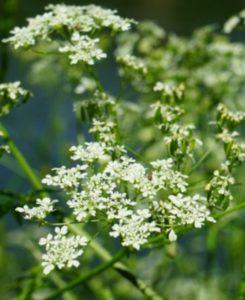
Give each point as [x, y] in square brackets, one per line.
[84, 277]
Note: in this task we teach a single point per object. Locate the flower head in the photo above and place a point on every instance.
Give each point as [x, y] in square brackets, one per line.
[43, 207]
[61, 250]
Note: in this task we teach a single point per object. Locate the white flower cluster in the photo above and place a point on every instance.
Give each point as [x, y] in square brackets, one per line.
[89, 152]
[130, 62]
[100, 151]
[21, 37]
[166, 114]
[136, 200]
[234, 21]
[61, 250]
[226, 122]
[123, 190]
[169, 89]
[147, 182]
[83, 48]
[42, 209]
[229, 118]
[165, 177]
[11, 95]
[187, 210]
[182, 141]
[235, 151]
[85, 84]
[99, 193]
[126, 169]
[66, 178]
[108, 18]
[12, 90]
[224, 48]
[178, 137]
[134, 229]
[80, 21]
[226, 136]
[105, 131]
[218, 188]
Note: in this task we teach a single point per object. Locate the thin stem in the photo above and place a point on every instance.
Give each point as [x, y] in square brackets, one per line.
[21, 159]
[123, 270]
[231, 210]
[198, 163]
[30, 174]
[242, 284]
[136, 154]
[44, 53]
[13, 195]
[80, 280]
[54, 276]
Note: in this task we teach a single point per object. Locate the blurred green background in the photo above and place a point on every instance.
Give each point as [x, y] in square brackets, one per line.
[44, 128]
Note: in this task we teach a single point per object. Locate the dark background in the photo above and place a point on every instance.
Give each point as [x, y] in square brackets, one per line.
[180, 16]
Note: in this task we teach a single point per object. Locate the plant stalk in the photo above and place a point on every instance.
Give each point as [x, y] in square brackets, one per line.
[21, 159]
[83, 278]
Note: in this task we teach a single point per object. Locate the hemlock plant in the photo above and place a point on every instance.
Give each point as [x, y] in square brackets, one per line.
[135, 175]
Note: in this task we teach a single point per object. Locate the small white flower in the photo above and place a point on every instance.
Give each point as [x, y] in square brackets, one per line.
[66, 178]
[187, 210]
[225, 115]
[86, 84]
[220, 184]
[169, 89]
[21, 37]
[164, 176]
[83, 48]
[132, 62]
[231, 24]
[12, 90]
[89, 152]
[78, 20]
[43, 207]
[135, 229]
[172, 236]
[61, 250]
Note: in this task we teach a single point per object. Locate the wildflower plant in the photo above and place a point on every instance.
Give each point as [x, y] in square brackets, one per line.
[138, 196]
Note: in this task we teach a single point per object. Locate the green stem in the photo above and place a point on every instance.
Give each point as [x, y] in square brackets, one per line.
[231, 210]
[198, 163]
[123, 270]
[34, 181]
[89, 275]
[96, 287]
[54, 276]
[242, 285]
[21, 159]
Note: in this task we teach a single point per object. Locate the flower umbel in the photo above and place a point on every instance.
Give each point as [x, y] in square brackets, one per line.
[62, 250]
[11, 95]
[42, 209]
